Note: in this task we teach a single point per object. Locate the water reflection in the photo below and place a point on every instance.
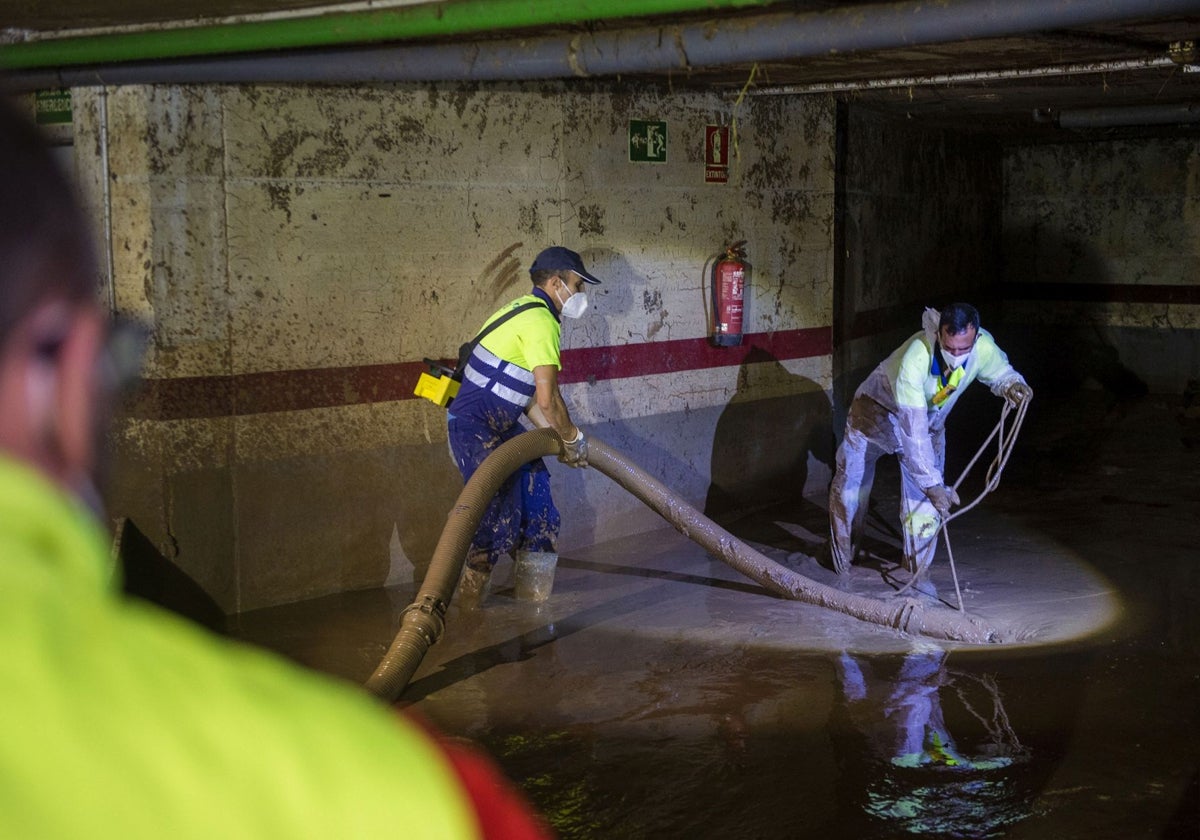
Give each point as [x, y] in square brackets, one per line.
[916, 777]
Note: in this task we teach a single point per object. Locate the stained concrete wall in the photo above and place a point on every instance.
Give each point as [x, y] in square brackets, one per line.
[299, 250]
[921, 228]
[1102, 252]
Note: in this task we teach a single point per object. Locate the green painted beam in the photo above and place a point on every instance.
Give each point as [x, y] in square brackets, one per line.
[432, 20]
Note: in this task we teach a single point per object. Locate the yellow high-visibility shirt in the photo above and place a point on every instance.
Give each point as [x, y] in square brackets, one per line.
[528, 340]
[122, 720]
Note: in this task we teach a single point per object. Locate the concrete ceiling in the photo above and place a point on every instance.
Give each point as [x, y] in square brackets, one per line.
[1013, 86]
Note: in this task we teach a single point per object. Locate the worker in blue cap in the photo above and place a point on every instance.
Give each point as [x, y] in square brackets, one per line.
[513, 371]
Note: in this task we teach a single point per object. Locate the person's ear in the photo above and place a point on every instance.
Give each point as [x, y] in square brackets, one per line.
[34, 353]
[41, 386]
[79, 389]
[55, 353]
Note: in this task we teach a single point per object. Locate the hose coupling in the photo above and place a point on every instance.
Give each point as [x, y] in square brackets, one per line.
[428, 617]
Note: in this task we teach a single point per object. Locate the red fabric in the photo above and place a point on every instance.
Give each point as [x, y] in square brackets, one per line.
[503, 811]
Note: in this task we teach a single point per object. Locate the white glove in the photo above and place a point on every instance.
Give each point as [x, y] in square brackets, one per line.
[574, 452]
[1016, 393]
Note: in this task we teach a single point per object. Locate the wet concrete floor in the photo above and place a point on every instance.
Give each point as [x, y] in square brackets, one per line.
[659, 694]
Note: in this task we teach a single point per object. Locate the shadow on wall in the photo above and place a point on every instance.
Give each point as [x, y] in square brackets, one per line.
[619, 284]
[580, 519]
[147, 574]
[585, 524]
[762, 448]
[588, 501]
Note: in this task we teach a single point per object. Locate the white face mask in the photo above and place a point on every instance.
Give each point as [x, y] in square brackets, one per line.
[575, 305]
[954, 361]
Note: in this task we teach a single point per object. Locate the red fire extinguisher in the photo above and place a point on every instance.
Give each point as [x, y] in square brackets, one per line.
[728, 295]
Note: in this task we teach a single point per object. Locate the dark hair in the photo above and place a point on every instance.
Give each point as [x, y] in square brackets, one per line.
[957, 317]
[45, 252]
[543, 275]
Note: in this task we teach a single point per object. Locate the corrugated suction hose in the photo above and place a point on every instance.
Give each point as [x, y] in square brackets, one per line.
[423, 621]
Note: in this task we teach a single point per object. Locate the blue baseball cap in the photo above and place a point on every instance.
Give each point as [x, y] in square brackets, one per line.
[559, 258]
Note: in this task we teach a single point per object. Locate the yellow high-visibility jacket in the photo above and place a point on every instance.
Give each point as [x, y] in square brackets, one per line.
[118, 719]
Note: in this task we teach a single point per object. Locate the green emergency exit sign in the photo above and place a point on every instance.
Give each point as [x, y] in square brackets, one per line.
[53, 107]
[647, 141]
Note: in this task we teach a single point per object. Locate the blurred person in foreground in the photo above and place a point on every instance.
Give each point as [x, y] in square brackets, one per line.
[121, 719]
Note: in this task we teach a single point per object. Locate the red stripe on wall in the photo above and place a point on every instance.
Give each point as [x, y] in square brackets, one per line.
[591, 364]
[873, 322]
[299, 390]
[1103, 292]
[287, 390]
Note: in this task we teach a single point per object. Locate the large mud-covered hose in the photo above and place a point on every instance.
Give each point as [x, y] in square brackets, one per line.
[908, 616]
[422, 622]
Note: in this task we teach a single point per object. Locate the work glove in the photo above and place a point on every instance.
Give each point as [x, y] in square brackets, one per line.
[574, 452]
[1016, 393]
[942, 498]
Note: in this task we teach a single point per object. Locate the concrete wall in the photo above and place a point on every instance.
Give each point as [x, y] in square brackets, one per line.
[921, 228]
[1102, 252]
[299, 250]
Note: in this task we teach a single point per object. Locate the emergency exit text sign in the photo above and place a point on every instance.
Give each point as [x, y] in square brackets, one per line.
[53, 107]
[647, 141]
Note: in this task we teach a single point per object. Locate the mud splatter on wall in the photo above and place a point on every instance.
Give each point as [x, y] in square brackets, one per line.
[298, 251]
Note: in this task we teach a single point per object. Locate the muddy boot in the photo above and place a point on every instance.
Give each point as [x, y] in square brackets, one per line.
[533, 574]
[473, 587]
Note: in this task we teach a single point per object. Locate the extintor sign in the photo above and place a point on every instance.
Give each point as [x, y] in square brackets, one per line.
[716, 154]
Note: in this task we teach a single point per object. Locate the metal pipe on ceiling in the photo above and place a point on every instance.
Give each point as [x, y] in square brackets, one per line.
[658, 49]
[972, 77]
[334, 29]
[1133, 115]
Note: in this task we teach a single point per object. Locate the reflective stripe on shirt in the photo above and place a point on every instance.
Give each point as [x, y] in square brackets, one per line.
[510, 382]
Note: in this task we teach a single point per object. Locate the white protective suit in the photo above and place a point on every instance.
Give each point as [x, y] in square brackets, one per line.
[901, 409]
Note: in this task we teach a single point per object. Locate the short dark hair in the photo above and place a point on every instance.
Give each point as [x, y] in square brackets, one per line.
[543, 275]
[957, 317]
[45, 248]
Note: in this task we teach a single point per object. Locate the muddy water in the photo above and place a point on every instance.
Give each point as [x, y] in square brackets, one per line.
[658, 694]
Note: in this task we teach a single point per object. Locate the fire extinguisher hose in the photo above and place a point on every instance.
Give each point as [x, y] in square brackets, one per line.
[423, 621]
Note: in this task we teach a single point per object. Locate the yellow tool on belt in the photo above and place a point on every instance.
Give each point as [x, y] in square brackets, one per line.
[440, 385]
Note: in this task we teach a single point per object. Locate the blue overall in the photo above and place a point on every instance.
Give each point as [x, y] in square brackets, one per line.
[495, 392]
